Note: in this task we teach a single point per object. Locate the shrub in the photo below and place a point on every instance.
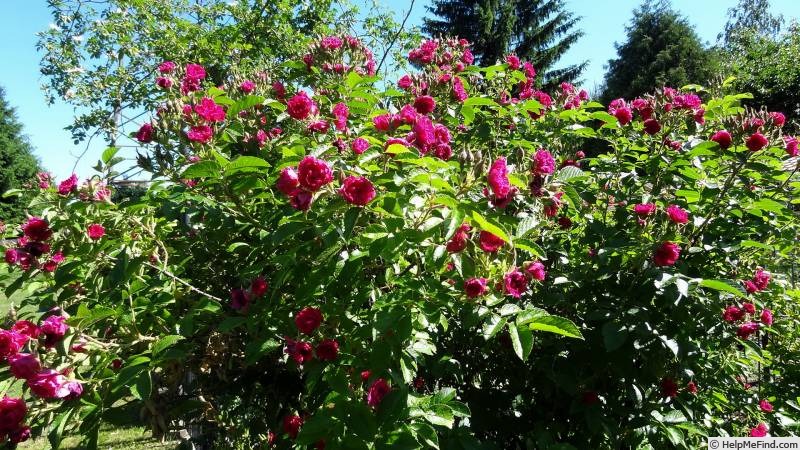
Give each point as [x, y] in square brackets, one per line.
[432, 265]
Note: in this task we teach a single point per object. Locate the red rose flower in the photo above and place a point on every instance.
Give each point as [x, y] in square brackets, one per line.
[765, 406]
[475, 287]
[145, 133]
[489, 242]
[669, 389]
[299, 351]
[327, 350]
[377, 391]
[308, 319]
[756, 142]
[37, 229]
[424, 104]
[209, 110]
[53, 328]
[667, 254]
[760, 430]
[258, 287]
[723, 138]
[12, 413]
[651, 126]
[200, 133]
[292, 424]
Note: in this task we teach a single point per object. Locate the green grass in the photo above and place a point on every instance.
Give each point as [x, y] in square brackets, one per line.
[123, 438]
[130, 437]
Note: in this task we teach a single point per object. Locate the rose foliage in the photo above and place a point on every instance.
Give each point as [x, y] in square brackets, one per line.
[326, 261]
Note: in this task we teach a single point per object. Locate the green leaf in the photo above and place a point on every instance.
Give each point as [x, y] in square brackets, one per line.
[613, 336]
[493, 228]
[557, 325]
[767, 204]
[724, 286]
[202, 169]
[245, 164]
[480, 101]
[569, 172]
[426, 434]
[166, 342]
[690, 196]
[396, 149]
[244, 104]
[108, 154]
[521, 341]
[493, 325]
[143, 386]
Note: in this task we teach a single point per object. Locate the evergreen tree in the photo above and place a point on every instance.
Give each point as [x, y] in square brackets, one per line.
[540, 31]
[662, 49]
[17, 163]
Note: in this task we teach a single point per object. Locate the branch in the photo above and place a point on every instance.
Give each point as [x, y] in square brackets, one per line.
[394, 38]
[183, 282]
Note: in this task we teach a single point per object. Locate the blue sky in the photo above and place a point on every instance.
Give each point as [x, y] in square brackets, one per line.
[603, 22]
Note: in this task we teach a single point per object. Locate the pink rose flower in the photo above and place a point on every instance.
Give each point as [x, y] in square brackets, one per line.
[357, 190]
[760, 430]
[359, 145]
[765, 406]
[498, 178]
[49, 384]
[209, 110]
[95, 231]
[24, 365]
[766, 317]
[644, 209]
[287, 181]
[543, 162]
[341, 112]
[300, 106]
[314, 173]
[53, 328]
[515, 283]
[677, 215]
[200, 133]
[536, 270]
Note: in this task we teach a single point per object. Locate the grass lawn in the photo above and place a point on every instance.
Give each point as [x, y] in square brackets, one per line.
[125, 438]
[128, 437]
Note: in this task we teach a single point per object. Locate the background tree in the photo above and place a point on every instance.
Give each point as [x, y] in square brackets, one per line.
[17, 163]
[538, 30]
[762, 58]
[99, 56]
[751, 16]
[661, 49]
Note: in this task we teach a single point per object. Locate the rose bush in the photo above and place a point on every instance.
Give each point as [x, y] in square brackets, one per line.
[322, 261]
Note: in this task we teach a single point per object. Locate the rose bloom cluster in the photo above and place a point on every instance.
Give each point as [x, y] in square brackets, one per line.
[340, 55]
[17, 349]
[301, 351]
[441, 60]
